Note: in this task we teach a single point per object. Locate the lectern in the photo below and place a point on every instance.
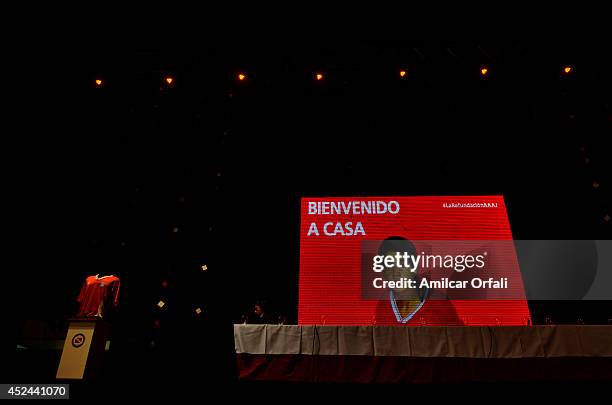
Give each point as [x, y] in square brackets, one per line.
[83, 349]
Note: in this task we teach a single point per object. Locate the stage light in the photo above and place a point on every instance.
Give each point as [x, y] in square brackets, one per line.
[484, 71]
[204, 267]
[161, 304]
[319, 76]
[169, 80]
[402, 73]
[99, 82]
[595, 185]
[567, 69]
[198, 311]
[242, 77]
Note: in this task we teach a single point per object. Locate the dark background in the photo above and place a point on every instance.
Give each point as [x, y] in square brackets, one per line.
[150, 181]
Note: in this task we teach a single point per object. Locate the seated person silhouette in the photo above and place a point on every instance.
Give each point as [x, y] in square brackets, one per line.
[410, 306]
[258, 315]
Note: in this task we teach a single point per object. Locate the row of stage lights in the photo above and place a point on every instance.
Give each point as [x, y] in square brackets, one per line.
[319, 76]
[169, 80]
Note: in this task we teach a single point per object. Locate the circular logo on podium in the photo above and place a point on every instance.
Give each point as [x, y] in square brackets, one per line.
[78, 340]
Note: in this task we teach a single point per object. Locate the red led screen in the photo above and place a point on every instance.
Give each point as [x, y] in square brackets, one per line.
[331, 234]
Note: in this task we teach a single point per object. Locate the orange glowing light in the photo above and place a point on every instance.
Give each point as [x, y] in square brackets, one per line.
[402, 73]
[319, 76]
[169, 79]
[484, 71]
[567, 69]
[98, 82]
[241, 77]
